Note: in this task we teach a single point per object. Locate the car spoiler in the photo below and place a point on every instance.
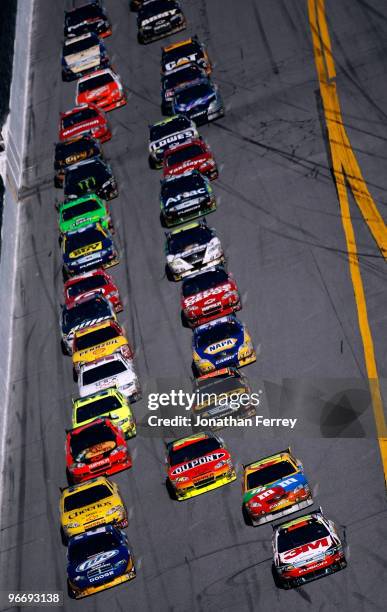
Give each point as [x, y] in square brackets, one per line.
[317, 511]
[286, 450]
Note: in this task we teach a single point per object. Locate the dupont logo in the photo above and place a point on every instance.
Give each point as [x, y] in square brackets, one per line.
[197, 462]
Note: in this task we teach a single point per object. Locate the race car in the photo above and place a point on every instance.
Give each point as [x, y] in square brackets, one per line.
[274, 487]
[75, 214]
[191, 248]
[159, 18]
[221, 343]
[111, 371]
[199, 100]
[84, 119]
[223, 393]
[135, 5]
[209, 295]
[90, 311]
[109, 403]
[73, 151]
[88, 248]
[162, 135]
[98, 341]
[89, 17]
[82, 55]
[197, 464]
[102, 88]
[90, 504]
[305, 549]
[182, 75]
[90, 176]
[96, 449]
[90, 284]
[185, 197]
[185, 52]
[192, 155]
[97, 560]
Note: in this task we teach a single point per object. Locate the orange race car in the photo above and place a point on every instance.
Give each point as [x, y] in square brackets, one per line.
[102, 88]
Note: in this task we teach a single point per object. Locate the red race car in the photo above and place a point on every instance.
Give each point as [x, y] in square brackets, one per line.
[96, 449]
[209, 295]
[102, 88]
[192, 155]
[84, 119]
[90, 284]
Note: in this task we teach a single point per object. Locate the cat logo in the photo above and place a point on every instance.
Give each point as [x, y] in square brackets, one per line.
[87, 184]
[182, 60]
[223, 345]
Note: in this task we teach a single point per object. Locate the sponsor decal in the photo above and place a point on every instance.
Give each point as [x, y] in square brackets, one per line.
[71, 159]
[82, 125]
[97, 449]
[202, 295]
[287, 482]
[97, 560]
[101, 576]
[223, 345]
[159, 16]
[192, 57]
[163, 142]
[88, 509]
[290, 554]
[196, 462]
[185, 195]
[87, 184]
[90, 248]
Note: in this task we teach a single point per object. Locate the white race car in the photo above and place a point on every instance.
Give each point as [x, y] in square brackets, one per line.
[82, 55]
[112, 371]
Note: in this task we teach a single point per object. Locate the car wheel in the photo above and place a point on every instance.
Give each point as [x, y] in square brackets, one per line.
[75, 375]
[64, 537]
[64, 348]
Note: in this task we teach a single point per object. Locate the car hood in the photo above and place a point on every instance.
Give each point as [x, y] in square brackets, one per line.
[307, 552]
[267, 493]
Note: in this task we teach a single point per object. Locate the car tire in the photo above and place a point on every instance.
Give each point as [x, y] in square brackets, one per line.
[64, 537]
[64, 348]
[75, 375]
[246, 517]
[152, 163]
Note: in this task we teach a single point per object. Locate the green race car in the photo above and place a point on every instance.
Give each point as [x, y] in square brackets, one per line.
[78, 213]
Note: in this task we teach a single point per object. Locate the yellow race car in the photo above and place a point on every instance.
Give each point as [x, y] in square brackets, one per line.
[89, 504]
[108, 403]
[99, 341]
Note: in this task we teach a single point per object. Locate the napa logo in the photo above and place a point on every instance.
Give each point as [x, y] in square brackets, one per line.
[223, 345]
[97, 560]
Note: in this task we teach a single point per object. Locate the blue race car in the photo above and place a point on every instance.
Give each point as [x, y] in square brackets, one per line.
[199, 100]
[97, 560]
[88, 248]
[221, 343]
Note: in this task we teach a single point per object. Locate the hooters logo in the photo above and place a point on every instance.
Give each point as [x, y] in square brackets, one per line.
[295, 552]
[193, 299]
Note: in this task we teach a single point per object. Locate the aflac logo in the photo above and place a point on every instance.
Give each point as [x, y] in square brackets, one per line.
[221, 346]
[97, 560]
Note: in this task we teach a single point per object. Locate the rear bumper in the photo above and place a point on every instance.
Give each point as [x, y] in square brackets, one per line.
[219, 482]
[272, 516]
[145, 39]
[221, 313]
[113, 469]
[337, 563]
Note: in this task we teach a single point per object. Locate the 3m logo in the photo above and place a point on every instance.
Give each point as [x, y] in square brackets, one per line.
[295, 552]
[87, 184]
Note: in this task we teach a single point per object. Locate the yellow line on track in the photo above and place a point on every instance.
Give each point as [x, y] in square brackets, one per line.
[347, 171]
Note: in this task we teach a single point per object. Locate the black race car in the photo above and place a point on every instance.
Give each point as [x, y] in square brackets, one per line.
[86, 313]
[164, 134]
[185, 197]
[176, 78]
[159, 18]
[73, 151]
[90, 176]
[87, 18]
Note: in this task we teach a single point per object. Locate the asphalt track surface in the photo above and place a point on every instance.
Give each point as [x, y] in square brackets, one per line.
[280, 225]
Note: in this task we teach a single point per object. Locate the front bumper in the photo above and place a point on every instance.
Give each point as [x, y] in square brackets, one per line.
[272, 516]
[188, 492]
[299, 576]
[78, 268]
[72, 75]
[144, 38]
[129, 574]
[120, 521]
[104, 471]
[231, 361]
[173, 219]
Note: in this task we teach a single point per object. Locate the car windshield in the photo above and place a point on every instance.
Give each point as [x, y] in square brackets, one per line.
[216, 333]
[194, 450]
[84, 114]
[90, 11]
[93, 545]
[184, 75]
[86, 497]
[98, 336]
[155, 8]
[184, 154]
[197, 236]
[98, 407]
[184, 183]
[191, 48]
[165, 129]
[106, 370]
[78, 46]
[95, 82]
[81, 209]
[85, 178]
[77, 240]
[204, 281]
[306, 533]
[269, 474]
[93, 435]
[85, 311]
[87, 284]
[190, 93]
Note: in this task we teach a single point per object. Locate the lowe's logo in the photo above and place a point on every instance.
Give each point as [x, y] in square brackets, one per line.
[97, 560]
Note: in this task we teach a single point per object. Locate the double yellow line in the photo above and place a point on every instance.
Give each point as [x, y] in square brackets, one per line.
[347, 172]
